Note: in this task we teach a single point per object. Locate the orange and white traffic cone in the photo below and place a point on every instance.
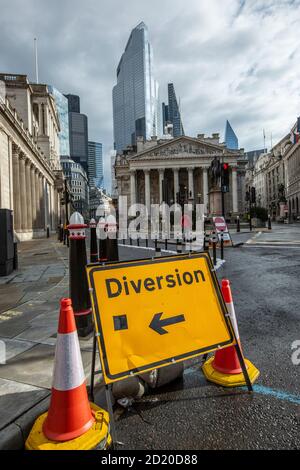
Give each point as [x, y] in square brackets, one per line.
[71, 422]
[224, 367]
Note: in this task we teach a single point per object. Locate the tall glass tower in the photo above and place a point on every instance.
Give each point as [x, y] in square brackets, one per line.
[171, 112]
[95, 164]
[136, 106]
[231, 139]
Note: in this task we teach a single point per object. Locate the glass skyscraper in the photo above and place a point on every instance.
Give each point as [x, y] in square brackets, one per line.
[136, 107]
[63, 114]
[231, 139]
[95, 165]
[171, 112]
[78, 131]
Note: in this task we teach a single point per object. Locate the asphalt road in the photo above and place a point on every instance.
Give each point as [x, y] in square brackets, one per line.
[193, 414]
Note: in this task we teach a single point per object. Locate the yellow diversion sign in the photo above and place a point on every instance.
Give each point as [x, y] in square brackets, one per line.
[152, 313]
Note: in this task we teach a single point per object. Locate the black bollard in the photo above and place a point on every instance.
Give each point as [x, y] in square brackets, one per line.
[146, 242]
[222, 244]
[269, 223]
[65, 234]
[250, 223]
[93, 242]
[214, 253]
[238, 227]
[206, 242]
[79, 291]
[214, 240]
[130, 240]
[178, 246]
[102, 240]
[48, 231]
[112, 239]
[166, 244]
[138, 241]
[61, 233]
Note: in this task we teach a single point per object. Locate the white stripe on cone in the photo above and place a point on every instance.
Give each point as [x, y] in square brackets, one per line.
[231, 311]
[68, 369]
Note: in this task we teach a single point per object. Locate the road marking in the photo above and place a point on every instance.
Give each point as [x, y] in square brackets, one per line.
[279, 394]
[286, 247]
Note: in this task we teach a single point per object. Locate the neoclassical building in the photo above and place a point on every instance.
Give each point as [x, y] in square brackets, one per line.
[30, 174]
[183, 163]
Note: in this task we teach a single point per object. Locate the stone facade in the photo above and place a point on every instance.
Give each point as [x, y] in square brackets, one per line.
[292, 175]
[184, 162]
[30, 174]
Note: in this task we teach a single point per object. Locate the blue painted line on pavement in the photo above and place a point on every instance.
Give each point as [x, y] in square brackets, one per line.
[279, 394]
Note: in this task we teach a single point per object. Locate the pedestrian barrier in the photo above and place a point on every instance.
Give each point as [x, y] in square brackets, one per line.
[101, 235]
[93, 242]
[71, 423]
[112, 238]
[224, 367]
[79, 292]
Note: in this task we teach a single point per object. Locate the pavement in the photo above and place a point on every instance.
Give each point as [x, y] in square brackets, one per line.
[264, 271]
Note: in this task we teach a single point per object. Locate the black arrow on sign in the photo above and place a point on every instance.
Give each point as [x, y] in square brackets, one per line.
[157, 324]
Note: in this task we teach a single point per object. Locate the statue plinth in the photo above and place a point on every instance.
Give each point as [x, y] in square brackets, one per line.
[215, 201]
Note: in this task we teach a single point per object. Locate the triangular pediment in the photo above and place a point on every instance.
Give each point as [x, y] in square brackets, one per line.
[181, 146]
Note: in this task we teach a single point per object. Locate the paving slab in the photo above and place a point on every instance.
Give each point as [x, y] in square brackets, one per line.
[16, 398]
[37, 333]
[14, 347]
[35, 366]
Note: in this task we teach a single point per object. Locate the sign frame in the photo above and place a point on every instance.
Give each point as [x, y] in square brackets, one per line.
[108, 376]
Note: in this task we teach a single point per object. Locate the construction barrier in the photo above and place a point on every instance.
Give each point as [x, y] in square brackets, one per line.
[224, 367]
[71, 423]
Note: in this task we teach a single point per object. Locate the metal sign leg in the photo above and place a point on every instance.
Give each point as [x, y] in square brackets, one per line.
[108, 393]
[93, 368]
[244, 368]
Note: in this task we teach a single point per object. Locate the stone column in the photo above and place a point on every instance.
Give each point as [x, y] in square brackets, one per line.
[191, 183]
[16, 190]
[132, 187]
[234, 191]
[161, 173]
[23, 192]
[205, 189]
[38, 201]
[33, 196]
[147, 191]
[27, 195]
[42, 202]
[176, 183]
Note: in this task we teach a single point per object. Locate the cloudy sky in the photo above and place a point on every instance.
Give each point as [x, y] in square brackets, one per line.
[235, 59]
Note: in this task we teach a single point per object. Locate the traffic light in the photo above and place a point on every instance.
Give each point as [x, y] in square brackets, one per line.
[225, 177]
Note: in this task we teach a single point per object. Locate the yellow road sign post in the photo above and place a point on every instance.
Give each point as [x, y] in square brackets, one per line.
[153, 312]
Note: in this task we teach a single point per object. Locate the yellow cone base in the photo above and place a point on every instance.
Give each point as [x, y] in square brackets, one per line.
[96, 437]
[229, 380]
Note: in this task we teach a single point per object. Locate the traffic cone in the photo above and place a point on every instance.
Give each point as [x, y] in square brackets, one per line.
[71, 422]
[224, 368]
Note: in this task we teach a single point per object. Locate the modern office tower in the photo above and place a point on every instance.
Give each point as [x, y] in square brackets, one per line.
[231, 139]
[78, 182]
[62, 109]
[74, 103]
[171, 112]
[78, 132]
[136, 109]
[95, 164]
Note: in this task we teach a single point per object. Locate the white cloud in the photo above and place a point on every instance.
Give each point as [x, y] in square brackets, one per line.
[228, 59]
